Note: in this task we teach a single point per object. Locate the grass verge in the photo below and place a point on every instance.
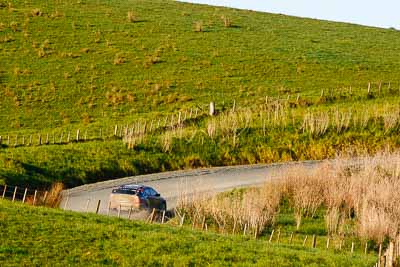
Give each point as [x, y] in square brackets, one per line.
[37, 236]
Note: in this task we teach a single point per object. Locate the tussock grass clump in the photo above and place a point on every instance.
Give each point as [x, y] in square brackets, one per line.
[198, 26]
[305, 189]
[36, 12]
[253, 209]
[227, 22]
[131, 17]
[50, 199]
[54, 196]
[119, 59]
[364, 191]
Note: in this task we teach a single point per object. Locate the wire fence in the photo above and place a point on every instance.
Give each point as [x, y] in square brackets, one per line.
[119, 131]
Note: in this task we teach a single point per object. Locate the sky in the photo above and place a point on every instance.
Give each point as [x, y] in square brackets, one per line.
[378, 13]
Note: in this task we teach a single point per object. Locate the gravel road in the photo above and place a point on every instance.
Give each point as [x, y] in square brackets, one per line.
[171, 184]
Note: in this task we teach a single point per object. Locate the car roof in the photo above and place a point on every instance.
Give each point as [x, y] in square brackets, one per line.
[133, 186]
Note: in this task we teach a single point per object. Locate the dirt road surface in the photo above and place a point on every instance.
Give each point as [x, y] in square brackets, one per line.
[172, 184]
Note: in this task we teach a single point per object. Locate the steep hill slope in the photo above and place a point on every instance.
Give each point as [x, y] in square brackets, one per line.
[299, 87]
[68, 62]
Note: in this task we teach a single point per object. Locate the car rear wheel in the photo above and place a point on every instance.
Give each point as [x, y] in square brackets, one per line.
[163, 206]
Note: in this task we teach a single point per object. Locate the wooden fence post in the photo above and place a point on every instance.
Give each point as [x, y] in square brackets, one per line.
[16, 140]
[61, 137]
[68, 137]
[151, 218]
[305, 240]
[390, 255]
[163, 217]
[23, 140]
[45, 197]
[77, 135]
[66, 202]
[108, 208]
[245, 229]
[327, 243]
[380, 255]
[15, 193]
[130, 213]
[34, 198]
[40, 140]
[212, 108]
[23, 199]
[366, 248]
[115, 130]
[0, 140]
[271, 236]
[182, 220]
[314, 241]
[98, 206]
[179, 118]
[352, 248]
[47, 139]
[4, 191]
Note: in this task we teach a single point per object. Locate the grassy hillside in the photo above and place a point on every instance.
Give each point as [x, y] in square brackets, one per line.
[92, 64]
[37, 236]
[61, 60]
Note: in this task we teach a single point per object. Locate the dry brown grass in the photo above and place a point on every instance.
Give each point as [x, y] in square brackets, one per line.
[365, 191]
[119, 59]
[51, 199]
[198, 26]
[54, 196]
[305, 188]
[36, 12]
[131, 17]
[227, 22]
[253, 209]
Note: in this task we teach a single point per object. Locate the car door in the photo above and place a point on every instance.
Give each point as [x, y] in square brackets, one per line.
[152, 202]
[156, 200]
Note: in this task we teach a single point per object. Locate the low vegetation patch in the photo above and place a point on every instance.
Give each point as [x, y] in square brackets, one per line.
[34, 235]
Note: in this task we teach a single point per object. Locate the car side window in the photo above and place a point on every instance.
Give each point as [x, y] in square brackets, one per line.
[153, 192]
[147, 192]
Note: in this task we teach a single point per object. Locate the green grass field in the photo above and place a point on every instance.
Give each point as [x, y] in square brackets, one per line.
[41, 236]
[88, 65]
